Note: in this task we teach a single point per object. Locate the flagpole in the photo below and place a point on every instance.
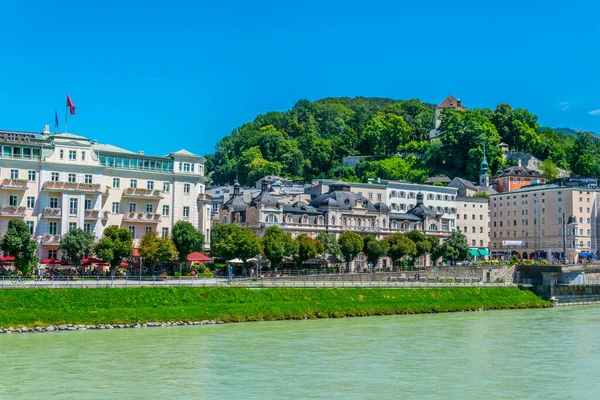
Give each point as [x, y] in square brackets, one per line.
[66, 117]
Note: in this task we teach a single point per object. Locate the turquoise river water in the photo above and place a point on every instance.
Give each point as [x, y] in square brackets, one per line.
[528, 354]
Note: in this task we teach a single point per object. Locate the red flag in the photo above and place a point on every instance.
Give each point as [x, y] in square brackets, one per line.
[70, 105]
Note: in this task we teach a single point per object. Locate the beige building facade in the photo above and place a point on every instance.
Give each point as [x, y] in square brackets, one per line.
[535, 221]
[56, 182]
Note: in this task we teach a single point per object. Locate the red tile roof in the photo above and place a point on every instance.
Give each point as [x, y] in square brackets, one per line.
[450, 101]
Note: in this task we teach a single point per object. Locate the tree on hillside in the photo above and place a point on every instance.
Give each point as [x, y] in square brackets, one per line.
[465, 135]
[76, 244]
[351, 244]
[18, 243]
[114, 245]
[186, 239]
[400, 246]
[517, 127]
[384, 133]
[456, 247]
[549, 170]
[277, 244]
[374, 249]
[307, 249]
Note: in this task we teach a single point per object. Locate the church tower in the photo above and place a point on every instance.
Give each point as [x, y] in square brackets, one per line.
[484, 177]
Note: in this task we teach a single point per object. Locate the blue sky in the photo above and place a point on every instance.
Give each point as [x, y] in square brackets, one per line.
[157, 76]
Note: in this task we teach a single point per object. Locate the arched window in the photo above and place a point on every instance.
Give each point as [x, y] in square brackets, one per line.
[305, 219]
[402, 194]
[224, 220]
[383, 224]
[271, 218]
[359, 222]
[394, 225]
[372, 223]
[438, 197]
[392, 194]
[320, 220]
[237, 217]
[446, 197]
[345, 221]
[432, 227]
[289, 219]
[429, 196]
[333, 220]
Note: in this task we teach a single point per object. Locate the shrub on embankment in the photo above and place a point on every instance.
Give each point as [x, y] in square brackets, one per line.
[41, 307]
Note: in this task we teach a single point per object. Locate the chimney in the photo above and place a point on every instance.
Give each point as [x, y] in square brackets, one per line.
[46, 129]
[370, 180]
[519, 162]
[265, 186]
[458, 102]
[95, 142]
[141, 152]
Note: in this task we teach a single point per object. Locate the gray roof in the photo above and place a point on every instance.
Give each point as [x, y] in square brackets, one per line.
[184, 153]
[344, 198]
[109, 148]
[236, 203]
[466, 183]
[518, 170]
[265, 198]
[404, 217]
[68, 136]
[301, 210]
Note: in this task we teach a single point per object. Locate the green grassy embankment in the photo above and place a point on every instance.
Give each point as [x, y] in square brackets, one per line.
[42, 307]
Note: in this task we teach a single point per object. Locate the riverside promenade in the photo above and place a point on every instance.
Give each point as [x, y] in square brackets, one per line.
[319, 281]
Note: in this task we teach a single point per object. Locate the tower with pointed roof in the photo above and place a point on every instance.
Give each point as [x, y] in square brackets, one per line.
[449, 102]
[484, 176]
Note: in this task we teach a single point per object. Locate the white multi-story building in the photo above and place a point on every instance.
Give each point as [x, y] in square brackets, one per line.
[56, 182]
[402, 196]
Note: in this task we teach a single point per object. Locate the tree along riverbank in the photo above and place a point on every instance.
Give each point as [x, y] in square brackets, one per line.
[45, 307]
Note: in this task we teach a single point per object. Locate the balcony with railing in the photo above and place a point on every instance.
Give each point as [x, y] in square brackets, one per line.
[51, 186]
[51, 239]
[142, 217]
[141, 193]
[50, 212]
[91, 214]
[14, 184]
[12, 211]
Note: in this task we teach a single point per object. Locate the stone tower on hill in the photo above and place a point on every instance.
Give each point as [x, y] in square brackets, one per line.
[449, 102]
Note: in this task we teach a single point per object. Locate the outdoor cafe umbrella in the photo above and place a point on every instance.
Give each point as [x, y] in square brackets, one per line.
[235, 261]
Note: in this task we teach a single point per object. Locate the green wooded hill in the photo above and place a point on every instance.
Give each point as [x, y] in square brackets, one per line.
[310, 140]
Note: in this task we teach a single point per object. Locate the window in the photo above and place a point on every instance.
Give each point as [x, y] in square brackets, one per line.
[559, 199]
[580, 209]
[473, 216]
[165, 210]
[72, 206]
[30, 201]
[481, 217]
[14, 174]
[52, 254]
[186, 188]
[481, 229]
[71, 178]
[473, 242]
[186, 167]
[166, 187]
[473, 230]
[30, 226]
[54, 176]
[87, 227]
[53, 202]
[53, 228]
[457, 216]
[150, 185]
[186, 212]
[83, 156]
[115, 207]
[87, 178]
[148, 229]
[149, 208]
[131, 230]
[132, 207]
[165, 232]
[61, 154]
[72, 155]
[72, 225]
[13, 200]
[370, 196]
[88, 204]
[133, 183]
[378, 196]
[515, 180]
[31, 176]
[116, 183]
